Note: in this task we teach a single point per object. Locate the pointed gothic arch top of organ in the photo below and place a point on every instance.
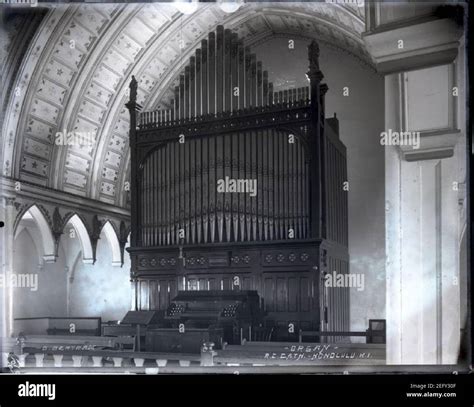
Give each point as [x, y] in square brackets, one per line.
[298, 213]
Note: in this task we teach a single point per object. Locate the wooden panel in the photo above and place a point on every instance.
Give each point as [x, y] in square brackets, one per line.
[202, 283]
[153, 297]
[293, 294]
[287, 292]
[281, 294]
[246, 283]
[172, 290]
[213, 284]
[191, 284]
[305, 292]
[163, 294]
[269, 291]
[226, 283]
[144, 295]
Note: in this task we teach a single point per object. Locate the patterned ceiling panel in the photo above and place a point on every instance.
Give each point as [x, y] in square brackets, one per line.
[77, 70]
[73, 32]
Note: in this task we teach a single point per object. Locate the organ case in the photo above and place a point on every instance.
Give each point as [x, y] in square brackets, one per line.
[226, 122]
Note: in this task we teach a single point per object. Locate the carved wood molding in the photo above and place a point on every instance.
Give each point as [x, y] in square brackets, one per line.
[433, 145]
[425, 44]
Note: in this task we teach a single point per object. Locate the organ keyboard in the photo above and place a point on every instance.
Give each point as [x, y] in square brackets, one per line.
[232, 311]
[214, 305]
[196, 317]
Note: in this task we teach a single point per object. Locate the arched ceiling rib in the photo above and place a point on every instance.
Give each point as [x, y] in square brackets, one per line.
[82, 85]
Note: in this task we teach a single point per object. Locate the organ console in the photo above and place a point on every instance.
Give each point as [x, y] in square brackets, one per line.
[218, 316]
[232, 311]
[226, 121]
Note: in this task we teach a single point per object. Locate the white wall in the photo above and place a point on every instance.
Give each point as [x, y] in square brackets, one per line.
[422, 222]
[95, 290]
[100, 289]
[50, 298]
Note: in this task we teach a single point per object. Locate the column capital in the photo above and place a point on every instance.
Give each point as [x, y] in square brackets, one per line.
[433, 145]
[414, 46]
[8, 201]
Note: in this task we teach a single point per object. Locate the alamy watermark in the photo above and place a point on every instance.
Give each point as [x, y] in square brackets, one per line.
[228, 184]
[347, 280]
[13, 280]
[402, 138]
[75, 138]
[28, 389]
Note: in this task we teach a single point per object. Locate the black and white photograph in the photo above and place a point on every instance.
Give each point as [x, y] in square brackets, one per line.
[234, 187]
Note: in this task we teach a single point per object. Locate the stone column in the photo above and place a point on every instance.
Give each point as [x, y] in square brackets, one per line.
[7, 215]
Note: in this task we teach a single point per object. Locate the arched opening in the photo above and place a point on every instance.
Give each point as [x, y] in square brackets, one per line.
[34, 216]
[75, 226]
[38, 288]
[111, 236]
[101, 289]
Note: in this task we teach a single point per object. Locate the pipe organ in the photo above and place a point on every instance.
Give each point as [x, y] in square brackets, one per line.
[181, 203]
[239, 186]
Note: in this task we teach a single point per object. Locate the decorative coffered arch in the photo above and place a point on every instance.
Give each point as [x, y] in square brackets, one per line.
[75, 76]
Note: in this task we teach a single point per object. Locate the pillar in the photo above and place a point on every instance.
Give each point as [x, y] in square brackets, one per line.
[7, 215]
[422, 219]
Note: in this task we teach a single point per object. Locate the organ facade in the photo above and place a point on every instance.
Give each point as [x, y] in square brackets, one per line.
[226, 122]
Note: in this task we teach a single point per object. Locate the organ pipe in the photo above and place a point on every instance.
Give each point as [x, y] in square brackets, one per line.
[179, 180]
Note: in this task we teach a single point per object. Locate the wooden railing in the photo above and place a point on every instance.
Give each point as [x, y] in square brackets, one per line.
[108, 360]
[103, 354]
[82, 350]
[376, 333]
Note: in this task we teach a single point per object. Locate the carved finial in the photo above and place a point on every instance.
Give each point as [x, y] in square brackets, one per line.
[313, 53]
[123, 231]
[314, 73]
[95, 236]
[133, 89]
[57, 221]
[96, 227]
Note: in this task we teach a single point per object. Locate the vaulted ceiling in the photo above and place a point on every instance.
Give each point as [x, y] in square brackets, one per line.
[76, 67]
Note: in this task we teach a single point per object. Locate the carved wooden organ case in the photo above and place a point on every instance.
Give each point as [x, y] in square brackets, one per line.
[226, 120]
